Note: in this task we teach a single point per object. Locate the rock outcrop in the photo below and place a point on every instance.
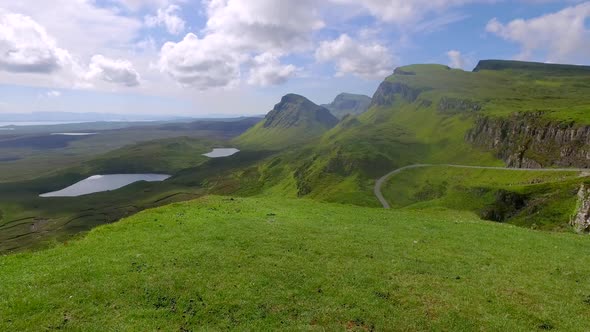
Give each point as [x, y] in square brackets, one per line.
[348, 104]
[455, 105]
[295, 110]
[529, 140]
[581, 219]
[388, 91]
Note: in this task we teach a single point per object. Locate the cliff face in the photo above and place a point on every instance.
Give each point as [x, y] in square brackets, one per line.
[527, 140]
[347, 103]
[388, 91]
[581, 220]
[295, 110]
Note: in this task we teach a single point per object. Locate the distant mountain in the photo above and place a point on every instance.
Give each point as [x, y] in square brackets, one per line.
[348, 103]
[294, 120]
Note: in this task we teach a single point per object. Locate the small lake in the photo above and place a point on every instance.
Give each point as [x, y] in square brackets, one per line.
[220, 153]
[100, 183]
[73, 134]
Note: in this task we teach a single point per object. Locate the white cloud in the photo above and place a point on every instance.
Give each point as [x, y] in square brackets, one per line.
[168, 17]
[267, 70]
[367, 60]
[53, 94]
[242, 33]
[25, 46]
[456, 59]
[264, 25]
[561, 36]
[201, 63]
[117, 71]
[404, 11]
[136, 5]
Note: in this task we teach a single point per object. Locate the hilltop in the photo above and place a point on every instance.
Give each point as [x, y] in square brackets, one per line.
[293, 121]
[348, 104]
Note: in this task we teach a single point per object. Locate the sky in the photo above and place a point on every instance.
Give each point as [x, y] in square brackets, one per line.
[238, 57]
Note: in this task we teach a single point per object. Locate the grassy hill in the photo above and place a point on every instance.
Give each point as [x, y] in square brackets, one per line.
[294, 121]
[348, 104]
[260, 264]
[540, 200]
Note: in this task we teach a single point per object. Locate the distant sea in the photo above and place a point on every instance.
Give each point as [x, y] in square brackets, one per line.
[41, 123]
[52, 123]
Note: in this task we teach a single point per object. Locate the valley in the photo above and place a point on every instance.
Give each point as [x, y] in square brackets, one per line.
[448, 200]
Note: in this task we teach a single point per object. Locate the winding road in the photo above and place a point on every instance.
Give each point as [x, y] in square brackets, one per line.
[383, 179]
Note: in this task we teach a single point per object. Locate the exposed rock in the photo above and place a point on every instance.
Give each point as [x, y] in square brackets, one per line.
[388, 91]
[400, 71]
[295, 110]
[507, 205]
[528, 140]
[581, 220]
[348, 104]
[456, 105]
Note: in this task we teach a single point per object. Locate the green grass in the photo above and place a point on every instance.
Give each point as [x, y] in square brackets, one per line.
[551, 196]
[271, 264]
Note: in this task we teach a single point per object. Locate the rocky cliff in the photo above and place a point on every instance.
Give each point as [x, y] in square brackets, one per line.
[581, 219]
[348, 104]
[530, 140]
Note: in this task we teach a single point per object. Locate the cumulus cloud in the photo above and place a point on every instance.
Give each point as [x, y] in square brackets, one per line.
[404, 11]
[366, 60]
[53, 94]
[267, 70]
[169, 18]
[264, 25]
[242, 33]
[200, 63]
[561, 36]
[456, 59]
[25, 46]
[116, 71]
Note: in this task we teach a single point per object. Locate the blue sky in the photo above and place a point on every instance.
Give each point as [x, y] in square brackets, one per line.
[234, 57]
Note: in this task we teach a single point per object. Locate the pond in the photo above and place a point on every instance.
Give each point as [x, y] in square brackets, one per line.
[100, 183]
[73, 134]
[220, 153]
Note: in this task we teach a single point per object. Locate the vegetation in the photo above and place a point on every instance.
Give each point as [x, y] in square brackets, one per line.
[294, 121]
[349, 104]
[257, 264]
[541, 200]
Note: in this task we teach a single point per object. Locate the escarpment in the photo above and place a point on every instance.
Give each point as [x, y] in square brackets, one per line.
[529, 140]
[388, 91]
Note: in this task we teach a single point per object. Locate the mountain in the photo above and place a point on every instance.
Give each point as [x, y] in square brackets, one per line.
[347, 103]
[505, 113]
[293, 121]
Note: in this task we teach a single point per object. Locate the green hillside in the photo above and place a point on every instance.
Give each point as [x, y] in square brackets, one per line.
[292, 122]
[539, 200]
[273, 264]
[348, 104]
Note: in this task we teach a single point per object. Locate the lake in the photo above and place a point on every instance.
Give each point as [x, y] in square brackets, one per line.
[219, 153]
[73, 134]
[100, 183]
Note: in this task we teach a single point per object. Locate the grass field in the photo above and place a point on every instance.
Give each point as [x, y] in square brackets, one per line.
[549, 197]
[265, 264]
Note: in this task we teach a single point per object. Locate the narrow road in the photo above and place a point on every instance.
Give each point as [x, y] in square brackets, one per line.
[383, 179]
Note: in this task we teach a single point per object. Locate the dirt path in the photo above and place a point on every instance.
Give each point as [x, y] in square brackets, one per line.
[383, 179]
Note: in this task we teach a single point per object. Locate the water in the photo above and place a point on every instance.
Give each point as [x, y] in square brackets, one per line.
[37, 123]
[100, 183]
[220, 153]
[73, 134]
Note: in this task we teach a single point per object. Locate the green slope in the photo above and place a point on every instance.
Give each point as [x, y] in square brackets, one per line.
[348, 104]
[540, 200]
[294, 121]
[271, 264]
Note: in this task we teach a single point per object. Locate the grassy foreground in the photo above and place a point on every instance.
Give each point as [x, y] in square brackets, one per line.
[259, 264]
